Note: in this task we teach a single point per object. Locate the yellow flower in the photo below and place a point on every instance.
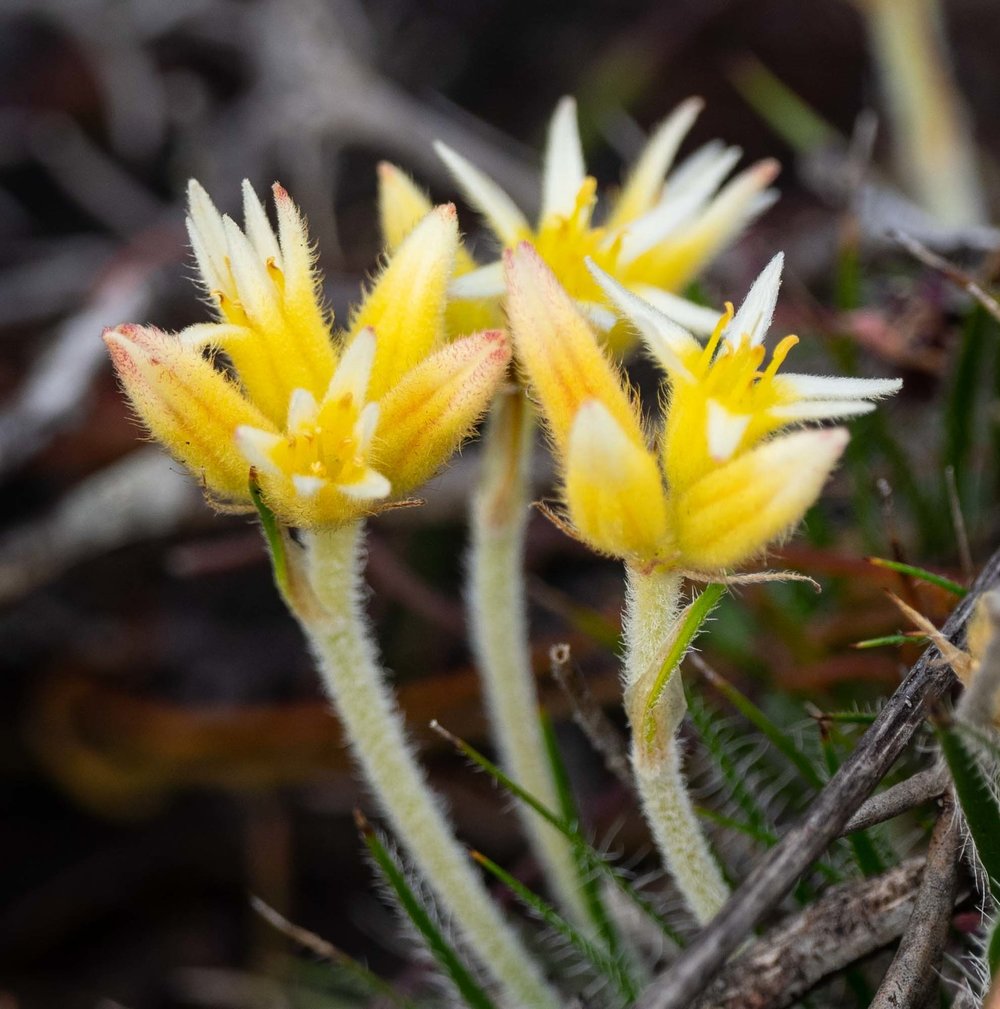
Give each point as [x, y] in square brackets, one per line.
[332, 426]
[722, 483]
[657, 235]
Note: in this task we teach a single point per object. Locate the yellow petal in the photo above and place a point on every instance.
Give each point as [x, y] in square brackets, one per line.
[402, 204]
[557, 351]
[735, 511]
[186, 404]
[406, 305]
[302, 295]
[613, 488]
[427, 415]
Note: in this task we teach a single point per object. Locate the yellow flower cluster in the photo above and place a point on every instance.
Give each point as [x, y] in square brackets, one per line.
[332, 426]
[659, 232]
[719, 486]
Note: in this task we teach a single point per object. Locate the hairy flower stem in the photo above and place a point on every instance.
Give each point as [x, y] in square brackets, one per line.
[499, 630]
[650, 625]
[331, 611]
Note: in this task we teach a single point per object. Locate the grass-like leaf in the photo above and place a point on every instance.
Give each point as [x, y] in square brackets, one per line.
[588, 881]
[694, 616]
[353, 971]
[993, 949]
[782, 741]
[451, 963]
[719, 744]
[921, 574]
[849, 717]
[911, 638]
[592, 858]
[272, 533]
[790, 116]
[977, 799]
[960, 422]
[607, 965]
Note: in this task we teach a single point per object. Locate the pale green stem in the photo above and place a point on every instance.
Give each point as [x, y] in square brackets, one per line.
[650, 622]
[934, 148]
[499, 630]
[335, 622]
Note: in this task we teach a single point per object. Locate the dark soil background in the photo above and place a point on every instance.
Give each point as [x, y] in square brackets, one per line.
[164, 749]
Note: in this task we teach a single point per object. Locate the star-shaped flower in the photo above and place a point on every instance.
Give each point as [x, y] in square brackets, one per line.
[722, 481]
[658, 233]
[332, 424]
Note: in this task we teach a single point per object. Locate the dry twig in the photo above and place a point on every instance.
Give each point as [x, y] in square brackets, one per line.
[848, 922]
[589, 715]
[913, 972]
[54, 392]
[948, 270]
[914, 791]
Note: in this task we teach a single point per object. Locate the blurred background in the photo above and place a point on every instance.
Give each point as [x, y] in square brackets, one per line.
[165, 751]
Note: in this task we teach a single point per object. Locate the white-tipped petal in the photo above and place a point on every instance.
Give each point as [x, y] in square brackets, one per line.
[755, 314]
[662, 221]
[369, 488]
[710, 175]
[208, 238]
[832, 387]
[691, 169]
[486, 282]
[355, 368]
[307, 486]
[257, 446]
[667, 341]
[822, 409]
[500, 211]
[645, 181]
[258, 227]
[302, 410]
[255, 289]
[364, 429]
[725, 430]
[677, 209]
[563, 169]
[694, 318]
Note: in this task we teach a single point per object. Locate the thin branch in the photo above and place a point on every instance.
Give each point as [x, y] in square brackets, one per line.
[948, 270]
[590, 716]
[55, 391]
[778, 870]
[908, 794]
[848, 922]
[912, 975]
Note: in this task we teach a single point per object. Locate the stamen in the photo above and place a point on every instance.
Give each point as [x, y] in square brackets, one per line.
[720, 328]
[779, 355]
[276, 274]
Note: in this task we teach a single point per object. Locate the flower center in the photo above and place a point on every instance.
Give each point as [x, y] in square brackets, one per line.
[564, 242]
[325, 444]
